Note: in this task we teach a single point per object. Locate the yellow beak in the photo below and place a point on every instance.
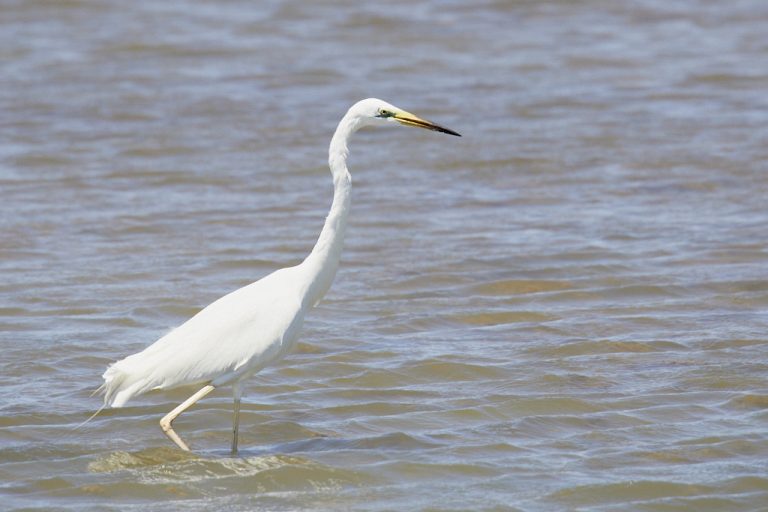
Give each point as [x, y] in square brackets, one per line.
[409, 119]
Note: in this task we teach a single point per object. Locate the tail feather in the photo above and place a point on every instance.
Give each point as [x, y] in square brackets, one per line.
[155, 367]
[81, 425]
[127, 378]
[113, 384]
[120, 386]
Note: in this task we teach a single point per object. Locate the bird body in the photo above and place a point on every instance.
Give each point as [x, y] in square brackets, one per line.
[249, 328]
[233, 337]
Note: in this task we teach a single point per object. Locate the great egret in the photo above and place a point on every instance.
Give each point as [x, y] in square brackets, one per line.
[242, 332]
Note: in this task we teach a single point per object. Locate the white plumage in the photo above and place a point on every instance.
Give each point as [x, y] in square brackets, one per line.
[244, 331]
[234, 336]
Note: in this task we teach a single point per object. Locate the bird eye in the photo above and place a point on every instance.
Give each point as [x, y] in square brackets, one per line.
[385, 113]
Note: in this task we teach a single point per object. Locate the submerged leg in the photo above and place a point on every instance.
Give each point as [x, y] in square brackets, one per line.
[237, 392]
[165, 423]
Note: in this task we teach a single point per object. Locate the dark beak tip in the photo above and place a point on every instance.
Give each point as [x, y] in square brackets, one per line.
[442, 129]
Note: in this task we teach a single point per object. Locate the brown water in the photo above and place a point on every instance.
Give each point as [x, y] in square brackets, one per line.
[563, 310]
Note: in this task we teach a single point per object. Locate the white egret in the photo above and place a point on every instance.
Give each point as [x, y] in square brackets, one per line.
[242, 332]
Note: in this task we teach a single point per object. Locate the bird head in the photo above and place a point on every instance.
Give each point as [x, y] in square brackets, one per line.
[373, 111]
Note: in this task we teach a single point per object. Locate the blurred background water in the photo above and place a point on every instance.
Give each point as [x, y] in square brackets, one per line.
[563, 310]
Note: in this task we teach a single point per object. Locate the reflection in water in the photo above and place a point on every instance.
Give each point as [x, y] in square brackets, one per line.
[190, 473]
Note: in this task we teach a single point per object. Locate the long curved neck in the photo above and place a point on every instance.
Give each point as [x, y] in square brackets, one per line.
[323, 261]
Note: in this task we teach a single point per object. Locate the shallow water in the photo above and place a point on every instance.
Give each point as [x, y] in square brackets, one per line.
[563, 310]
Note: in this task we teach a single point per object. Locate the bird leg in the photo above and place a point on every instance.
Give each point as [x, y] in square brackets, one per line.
[237, 391]
[165, 422]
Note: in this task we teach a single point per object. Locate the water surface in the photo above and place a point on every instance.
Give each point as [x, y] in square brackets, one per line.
[563, 310]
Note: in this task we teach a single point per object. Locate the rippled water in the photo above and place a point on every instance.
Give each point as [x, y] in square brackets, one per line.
[563, 310]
